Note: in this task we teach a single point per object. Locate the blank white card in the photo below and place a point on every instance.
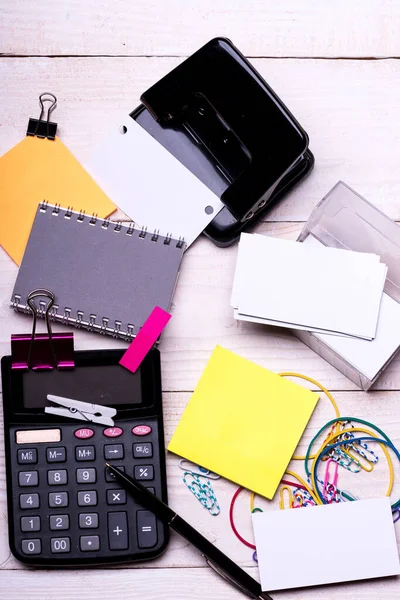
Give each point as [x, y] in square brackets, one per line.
[317, 288]
[305, 546]
[150, 185]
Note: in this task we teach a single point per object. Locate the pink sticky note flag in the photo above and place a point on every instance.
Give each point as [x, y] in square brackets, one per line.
[145, 339]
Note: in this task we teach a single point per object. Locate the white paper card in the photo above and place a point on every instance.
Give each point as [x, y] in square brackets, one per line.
[292, 551]
[150, 185]
[317, 288]
[368, 357]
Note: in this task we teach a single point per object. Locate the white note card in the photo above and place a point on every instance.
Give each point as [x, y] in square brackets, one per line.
[322, 289]
[292, 544]
[150, 185]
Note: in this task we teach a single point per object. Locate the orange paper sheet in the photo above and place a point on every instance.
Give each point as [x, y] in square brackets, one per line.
[36, 170]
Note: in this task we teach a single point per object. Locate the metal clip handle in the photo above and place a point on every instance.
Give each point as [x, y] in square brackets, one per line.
[30, 301]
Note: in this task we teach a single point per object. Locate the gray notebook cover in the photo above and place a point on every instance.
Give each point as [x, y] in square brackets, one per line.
[106, 277]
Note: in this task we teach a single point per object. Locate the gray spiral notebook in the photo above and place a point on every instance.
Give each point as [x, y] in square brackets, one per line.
[105, 276]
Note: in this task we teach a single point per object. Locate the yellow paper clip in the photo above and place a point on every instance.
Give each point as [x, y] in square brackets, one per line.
[282, 497]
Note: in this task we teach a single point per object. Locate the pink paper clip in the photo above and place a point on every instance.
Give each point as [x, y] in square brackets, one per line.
[330, 487]
[145, 339]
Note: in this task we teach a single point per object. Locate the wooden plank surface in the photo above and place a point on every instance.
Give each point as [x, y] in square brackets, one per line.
[360, 28]
[191, 583]
[105, 55]
[379, 407]
[350, 110]
[202, 317]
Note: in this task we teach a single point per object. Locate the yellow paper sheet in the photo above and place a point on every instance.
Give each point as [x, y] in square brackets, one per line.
[36, 170]
[243, 422]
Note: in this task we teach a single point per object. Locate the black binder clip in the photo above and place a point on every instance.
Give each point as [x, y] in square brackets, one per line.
[217, 115]
[41, 351]
[39, 127]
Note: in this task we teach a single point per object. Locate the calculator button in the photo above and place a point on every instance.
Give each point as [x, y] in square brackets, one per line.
[118, 531]
[144, 472]
[87, 498]
[57, 477]
[146, 529]
[86, 475]
[30, 523]
[84, 434]
[59, 545]
[88, 520]
[144, 450]
[113, 451]
[113, 432]
[141, 430]
[151, 489]
[56, 455]
[110, 476]
[85, 453]
[27, 501]
[59, 522]
[27, 478]
[116, 497]
[31, 546]
[27, 456]
[89, 543]
[58, 499]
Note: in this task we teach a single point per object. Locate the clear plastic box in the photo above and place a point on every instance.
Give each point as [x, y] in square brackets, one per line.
[343, 219]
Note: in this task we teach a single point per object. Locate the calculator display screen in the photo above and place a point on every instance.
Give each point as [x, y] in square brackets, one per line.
[110, 385]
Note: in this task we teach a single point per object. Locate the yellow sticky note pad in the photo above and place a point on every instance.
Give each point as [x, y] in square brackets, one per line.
[243, 422]
[36, 170]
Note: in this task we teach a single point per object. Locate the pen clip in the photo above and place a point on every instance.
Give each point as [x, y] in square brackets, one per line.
[230, 579]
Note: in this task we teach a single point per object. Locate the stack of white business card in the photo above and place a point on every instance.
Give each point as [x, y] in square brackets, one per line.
[300, 286]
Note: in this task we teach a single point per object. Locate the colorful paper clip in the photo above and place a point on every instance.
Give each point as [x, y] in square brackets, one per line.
[289, 494]
[330, 491]
[189, 467]
[344, 460]
[203, 492]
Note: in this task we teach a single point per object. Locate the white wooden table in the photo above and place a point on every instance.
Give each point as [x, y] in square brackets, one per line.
[336, 65]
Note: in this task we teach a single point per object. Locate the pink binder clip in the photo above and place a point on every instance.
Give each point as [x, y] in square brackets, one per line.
[42, 351]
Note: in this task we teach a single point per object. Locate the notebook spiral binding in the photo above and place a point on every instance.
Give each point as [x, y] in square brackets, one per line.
[103, 325]
[106, 223]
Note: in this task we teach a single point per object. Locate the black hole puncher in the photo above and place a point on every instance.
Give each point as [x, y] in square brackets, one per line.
[221, 120]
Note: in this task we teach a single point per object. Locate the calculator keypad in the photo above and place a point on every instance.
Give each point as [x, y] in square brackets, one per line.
[57, 477]
[113, 451]
[29, 501]
[59, 545]
[31, 546]
[86, 475]
[116, 497]
[27, 456]
[58, 499]
[69, 507]
[28, 478]
[89, 543]
[87, 498]
[88, 520]
[30, 523]
[85, 453]
[118, 530]
[58, 522]
[55, 455]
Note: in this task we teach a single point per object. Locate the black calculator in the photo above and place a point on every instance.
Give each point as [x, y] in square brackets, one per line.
[64, 507]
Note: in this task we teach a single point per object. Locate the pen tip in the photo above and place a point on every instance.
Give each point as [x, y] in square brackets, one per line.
[108, 465]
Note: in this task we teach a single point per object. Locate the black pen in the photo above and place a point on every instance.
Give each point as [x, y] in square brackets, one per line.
[222, 564]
